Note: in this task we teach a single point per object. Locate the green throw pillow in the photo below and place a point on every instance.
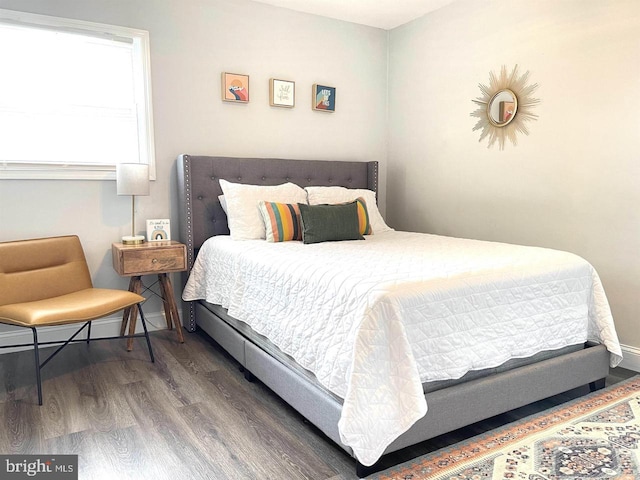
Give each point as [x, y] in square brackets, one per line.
[328, 223]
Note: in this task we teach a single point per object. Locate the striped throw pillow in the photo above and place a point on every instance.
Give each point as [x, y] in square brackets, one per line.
[281, 221]
[363, 217]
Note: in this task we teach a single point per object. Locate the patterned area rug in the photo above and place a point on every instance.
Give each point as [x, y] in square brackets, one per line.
[593, 437]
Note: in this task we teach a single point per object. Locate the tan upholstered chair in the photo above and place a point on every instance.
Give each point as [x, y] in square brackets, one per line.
[46, 282]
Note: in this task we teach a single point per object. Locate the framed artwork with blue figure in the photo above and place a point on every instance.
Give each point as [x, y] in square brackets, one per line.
[324, 98]
[235, 87]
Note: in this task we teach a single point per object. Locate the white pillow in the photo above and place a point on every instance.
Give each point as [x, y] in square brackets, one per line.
[223, 203]
[331, 195]
[243, 215]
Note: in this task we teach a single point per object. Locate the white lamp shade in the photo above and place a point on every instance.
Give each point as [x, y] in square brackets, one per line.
[132, 179]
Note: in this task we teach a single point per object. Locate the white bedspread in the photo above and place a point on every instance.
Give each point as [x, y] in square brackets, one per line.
[374, 319]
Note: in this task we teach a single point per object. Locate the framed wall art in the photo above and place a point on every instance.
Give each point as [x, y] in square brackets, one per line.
[324, 98]
[282, 93]
[235, 87]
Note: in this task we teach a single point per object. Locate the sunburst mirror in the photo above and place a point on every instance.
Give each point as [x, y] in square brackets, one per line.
[505, 107]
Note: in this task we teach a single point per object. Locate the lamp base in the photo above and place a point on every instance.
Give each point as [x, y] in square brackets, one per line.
[132, 239]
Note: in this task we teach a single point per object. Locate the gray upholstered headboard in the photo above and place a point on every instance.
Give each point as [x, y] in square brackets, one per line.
[201, 215]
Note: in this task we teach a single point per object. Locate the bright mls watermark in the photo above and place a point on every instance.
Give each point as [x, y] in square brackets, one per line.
[50, 467]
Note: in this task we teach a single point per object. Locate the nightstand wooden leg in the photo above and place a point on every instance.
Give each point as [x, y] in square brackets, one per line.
[127, 311]
[165, 302]
[125, 320]
[133, 316]
[171, 301]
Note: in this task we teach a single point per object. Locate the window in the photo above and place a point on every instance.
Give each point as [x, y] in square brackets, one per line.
[75, 98]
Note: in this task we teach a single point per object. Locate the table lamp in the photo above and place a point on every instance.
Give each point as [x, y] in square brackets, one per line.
[132, 179]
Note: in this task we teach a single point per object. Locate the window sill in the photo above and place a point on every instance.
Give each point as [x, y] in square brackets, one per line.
[61, 172]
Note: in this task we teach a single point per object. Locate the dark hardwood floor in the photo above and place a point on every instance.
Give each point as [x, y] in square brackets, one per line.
[191, 415]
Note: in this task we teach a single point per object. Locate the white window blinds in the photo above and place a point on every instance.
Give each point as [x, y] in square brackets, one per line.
[74, 97]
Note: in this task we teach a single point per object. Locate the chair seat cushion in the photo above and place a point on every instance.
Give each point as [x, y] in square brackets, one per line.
[80, 306]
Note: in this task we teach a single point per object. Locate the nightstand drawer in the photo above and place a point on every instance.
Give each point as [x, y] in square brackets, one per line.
[148, 259]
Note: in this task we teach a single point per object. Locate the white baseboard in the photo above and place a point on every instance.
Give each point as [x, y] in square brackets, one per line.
[631, 358]
[110, 327]
[107, 327]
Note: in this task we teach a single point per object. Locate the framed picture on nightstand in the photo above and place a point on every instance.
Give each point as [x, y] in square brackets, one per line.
[158, 230]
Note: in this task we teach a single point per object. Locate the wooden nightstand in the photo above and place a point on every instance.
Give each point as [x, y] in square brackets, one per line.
[150, 258]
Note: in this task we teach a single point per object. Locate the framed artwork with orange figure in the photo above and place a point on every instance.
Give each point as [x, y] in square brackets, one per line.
[235, 87]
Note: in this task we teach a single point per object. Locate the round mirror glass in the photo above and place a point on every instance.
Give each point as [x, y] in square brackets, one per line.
[502, 108]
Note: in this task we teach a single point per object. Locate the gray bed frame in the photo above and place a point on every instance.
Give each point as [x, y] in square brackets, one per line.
[450, 408]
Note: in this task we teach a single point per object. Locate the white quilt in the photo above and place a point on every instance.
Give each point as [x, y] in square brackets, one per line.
[374, 319]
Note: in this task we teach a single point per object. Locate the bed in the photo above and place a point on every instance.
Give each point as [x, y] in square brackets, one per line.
[340, 411]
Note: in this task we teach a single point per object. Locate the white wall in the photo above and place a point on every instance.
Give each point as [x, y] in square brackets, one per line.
[573, 183]
[192, 42]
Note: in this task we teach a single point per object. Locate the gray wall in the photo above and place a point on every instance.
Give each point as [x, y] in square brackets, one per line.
[573, 183]
[192, 42]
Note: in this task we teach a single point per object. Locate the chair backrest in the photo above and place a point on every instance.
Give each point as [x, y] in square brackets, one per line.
[42, 268]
